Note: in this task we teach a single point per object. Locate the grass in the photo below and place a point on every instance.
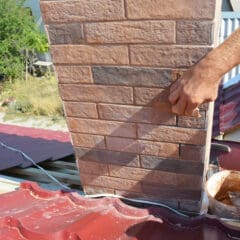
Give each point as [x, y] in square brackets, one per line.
[37, 96]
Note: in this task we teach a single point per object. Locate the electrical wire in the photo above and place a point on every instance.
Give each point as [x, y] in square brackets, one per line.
[25, 156]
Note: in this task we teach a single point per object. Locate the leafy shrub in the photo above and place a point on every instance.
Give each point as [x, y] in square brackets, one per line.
[18, 34]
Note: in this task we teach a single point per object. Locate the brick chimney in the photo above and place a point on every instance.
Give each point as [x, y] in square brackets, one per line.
[115, 60]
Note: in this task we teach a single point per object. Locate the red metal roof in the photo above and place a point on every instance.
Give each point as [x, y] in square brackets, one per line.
[39, 144]
[37, 214]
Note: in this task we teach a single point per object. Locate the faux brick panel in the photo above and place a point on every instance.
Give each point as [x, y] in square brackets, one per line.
[81, 110]
[97, 94]
[108, 157]
[192, 122]
[111, 182]
[171, 9]
[71, 33]
[166, 56]
[85, 54]
[74, 74]
[171, 193]
[192, 182]
[100, 127]
[143, 147]
[88, 141]
[132, 76]
[171, 134]
[97, 190]
[82, 10]
[150, 96]
[192, 153]
[194, 32]
[144, 175]
[136, 114]
[115, 61]
[93, 167]
[131, 32]
[172, 165]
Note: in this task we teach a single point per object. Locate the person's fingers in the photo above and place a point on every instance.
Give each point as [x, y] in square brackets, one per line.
[174, 86]
[192, 110]
[180, 106]
[174, 96]
[196, 113]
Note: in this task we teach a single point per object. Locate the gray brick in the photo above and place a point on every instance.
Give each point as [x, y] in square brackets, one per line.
[132, 76]
[172, 165]
[103, 156]
[194, 32]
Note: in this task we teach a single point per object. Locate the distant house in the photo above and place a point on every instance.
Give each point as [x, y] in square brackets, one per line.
[43, 60]
[36, 12]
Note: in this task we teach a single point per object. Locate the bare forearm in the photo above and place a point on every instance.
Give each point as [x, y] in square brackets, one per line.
[226, 56]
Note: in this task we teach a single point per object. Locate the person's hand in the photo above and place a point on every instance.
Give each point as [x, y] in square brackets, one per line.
[197, 85]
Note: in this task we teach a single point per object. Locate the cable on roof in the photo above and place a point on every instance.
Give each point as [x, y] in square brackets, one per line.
[25, 156]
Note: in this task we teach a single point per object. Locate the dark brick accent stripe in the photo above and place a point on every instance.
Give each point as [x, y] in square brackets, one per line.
[171, 165]
[132, 76]
[103, 156]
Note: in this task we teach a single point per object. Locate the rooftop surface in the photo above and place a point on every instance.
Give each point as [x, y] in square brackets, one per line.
[33, 213]
[39, 144]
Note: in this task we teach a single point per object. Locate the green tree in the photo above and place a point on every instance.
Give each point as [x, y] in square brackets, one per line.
[18, 34]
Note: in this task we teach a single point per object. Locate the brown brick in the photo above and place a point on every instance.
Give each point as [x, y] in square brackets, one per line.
[152, 97]
[193, 182]
[171, 134]
[88, 141]
[172, 165]
[194, 32]
[103, 156]
[92, 168]
[166, 56]
[111, 182]
[143, 147]
[98, 94]
[131, 32]
[97, 190]
[67, 33]
[81, 10]
[82, 110]
[193, 122]
[170, 193]
[144, 175]
[132, 76]
[136, 114]
[171, 9]
[85, 54]
[74, 74]
[101, 127]
[192, 153]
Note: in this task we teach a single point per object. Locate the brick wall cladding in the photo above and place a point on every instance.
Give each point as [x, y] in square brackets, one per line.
[115, 60]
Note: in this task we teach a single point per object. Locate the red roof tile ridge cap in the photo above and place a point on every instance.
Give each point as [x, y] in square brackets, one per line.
[36, 190]
[122, 208]
[26, 233]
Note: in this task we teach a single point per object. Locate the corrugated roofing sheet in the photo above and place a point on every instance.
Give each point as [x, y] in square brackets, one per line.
[227, 109]
[38, 144]
[37, 214]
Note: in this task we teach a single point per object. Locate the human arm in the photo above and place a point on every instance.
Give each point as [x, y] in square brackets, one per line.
[200, 83]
